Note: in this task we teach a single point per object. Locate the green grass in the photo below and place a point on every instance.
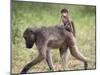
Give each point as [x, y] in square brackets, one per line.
[27, 14]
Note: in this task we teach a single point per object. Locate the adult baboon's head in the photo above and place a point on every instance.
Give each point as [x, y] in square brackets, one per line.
[29, 37]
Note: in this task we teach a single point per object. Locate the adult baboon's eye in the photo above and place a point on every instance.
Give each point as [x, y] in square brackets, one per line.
[25, 38]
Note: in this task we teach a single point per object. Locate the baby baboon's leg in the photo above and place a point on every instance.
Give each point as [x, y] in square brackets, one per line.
[29, 65]
[49, 60]
[76, 53]
[64, 53]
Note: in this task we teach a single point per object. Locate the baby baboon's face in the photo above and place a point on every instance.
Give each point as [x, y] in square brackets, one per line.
[64, 17]
[29, 38]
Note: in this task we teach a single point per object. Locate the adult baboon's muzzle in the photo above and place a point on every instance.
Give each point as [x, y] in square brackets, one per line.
[29, 45]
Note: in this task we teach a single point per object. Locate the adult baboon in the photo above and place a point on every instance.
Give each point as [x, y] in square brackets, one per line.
[50, 38]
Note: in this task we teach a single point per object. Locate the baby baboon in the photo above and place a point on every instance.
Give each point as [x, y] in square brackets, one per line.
[50, 38]
[69, 25]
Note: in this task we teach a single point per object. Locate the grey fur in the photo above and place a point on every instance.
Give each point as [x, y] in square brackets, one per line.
[47, 38]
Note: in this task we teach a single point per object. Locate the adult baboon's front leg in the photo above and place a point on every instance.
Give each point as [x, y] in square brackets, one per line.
[29, 65]
[64, 53]
[76, 53]
[49, 60]
[44, 50]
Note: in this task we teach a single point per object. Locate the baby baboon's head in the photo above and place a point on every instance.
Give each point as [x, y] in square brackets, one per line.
[64, 16]
[29, 37]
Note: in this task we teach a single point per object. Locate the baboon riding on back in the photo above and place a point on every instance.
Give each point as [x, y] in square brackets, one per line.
[51, 38]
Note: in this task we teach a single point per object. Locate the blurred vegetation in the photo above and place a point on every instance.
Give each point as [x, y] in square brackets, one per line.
[32, 14]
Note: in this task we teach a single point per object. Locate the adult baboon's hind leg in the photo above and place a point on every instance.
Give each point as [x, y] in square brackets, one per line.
[76, 53]
[64, 53]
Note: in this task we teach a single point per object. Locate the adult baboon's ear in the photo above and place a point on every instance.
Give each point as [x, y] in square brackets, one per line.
[31, 31]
